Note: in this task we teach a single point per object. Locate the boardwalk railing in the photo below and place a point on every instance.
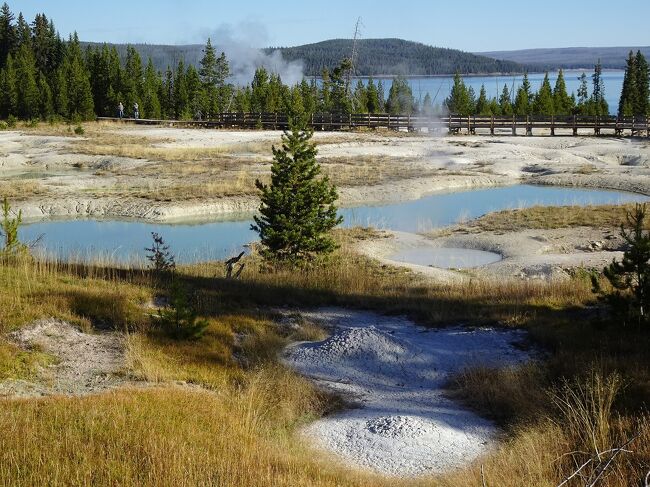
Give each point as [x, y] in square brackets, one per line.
[454, 124]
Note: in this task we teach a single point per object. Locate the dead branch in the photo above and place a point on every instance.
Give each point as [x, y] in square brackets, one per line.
[230, 265]
[483, 476]
[566, 481]
[600, 470]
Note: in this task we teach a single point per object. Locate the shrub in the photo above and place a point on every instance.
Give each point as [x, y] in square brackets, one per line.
[79, 130]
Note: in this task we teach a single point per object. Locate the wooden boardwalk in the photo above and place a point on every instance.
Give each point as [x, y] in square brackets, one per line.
[453, 124]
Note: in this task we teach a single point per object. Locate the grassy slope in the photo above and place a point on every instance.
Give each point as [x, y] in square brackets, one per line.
[238, 427]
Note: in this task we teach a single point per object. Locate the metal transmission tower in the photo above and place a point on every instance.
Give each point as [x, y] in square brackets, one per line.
[353, 56]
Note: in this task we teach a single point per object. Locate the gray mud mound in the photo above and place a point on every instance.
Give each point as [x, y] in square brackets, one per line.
[396, 371]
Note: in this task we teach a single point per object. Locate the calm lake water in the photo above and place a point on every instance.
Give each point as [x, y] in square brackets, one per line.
[439, 87]
[192, 242]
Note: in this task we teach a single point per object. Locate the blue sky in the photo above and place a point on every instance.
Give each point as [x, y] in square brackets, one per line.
[471, 25]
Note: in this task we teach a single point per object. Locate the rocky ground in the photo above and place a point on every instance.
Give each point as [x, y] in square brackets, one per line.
[160, 173]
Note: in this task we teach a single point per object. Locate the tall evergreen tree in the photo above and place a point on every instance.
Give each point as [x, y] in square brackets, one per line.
[482, 104]
[505, 105]
[562, 102]
[77, 79]
[543, 104]
[642, 106]
[582, 106]
[8, 36]
[381, 96]
[209, 80]
[151, 102]
[372, 94]
[360, 98]
[598, 101]
[297, 210]
[8, 89]
[400, 97]
[259, 90]
[524, 98]
[28, 95]
[459, 101]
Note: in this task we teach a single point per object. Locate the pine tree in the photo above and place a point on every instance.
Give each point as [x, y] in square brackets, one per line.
[297, 210]
[459, 101]
[132, 83]
[259, 90]
[381, 96]
[630, 277]
[400, 98]
[181, 97]
[77, 80]
[61, 105]
[504, 101]
[543, 104]
[309, 97]
[8, 37]
[168, 95]
[627, 101]
[562, 102]
[209, 80]
[360, 98]
[582, 106]
[372, 95]
[8, 89]
[524, 98]
[482, 104]
[598, 103]
[28, 96]
[195, 92]
[642, 106]
[46, 101]
[151, 103]
[23, 32]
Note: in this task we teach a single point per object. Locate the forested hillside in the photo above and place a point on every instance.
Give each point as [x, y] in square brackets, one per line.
[393, 57]
[375, 57]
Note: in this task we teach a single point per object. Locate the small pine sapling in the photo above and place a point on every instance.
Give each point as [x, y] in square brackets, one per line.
[630, 278]
[179, 319]
[9, 231]
[161, 258]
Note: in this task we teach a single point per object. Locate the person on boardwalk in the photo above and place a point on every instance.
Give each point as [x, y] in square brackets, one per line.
[136, 111]
[120, 110]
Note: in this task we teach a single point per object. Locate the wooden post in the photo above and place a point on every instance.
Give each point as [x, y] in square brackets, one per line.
[449, 122]
[492, 125]
[575, 126]
[514, 126]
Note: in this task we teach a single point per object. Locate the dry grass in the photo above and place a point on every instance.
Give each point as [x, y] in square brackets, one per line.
[546, 217]
[234, 421]
[19, 190]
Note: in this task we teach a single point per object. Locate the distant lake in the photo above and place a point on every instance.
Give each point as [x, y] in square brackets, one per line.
[441, 85]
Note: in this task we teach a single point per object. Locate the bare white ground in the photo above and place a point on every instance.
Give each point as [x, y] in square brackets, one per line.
[85, 363]
[396, 371]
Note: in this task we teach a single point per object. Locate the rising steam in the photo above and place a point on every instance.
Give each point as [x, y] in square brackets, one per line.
[243, 48]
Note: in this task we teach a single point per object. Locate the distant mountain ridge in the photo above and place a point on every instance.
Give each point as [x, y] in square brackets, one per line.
[569, 57]
[375, 57]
